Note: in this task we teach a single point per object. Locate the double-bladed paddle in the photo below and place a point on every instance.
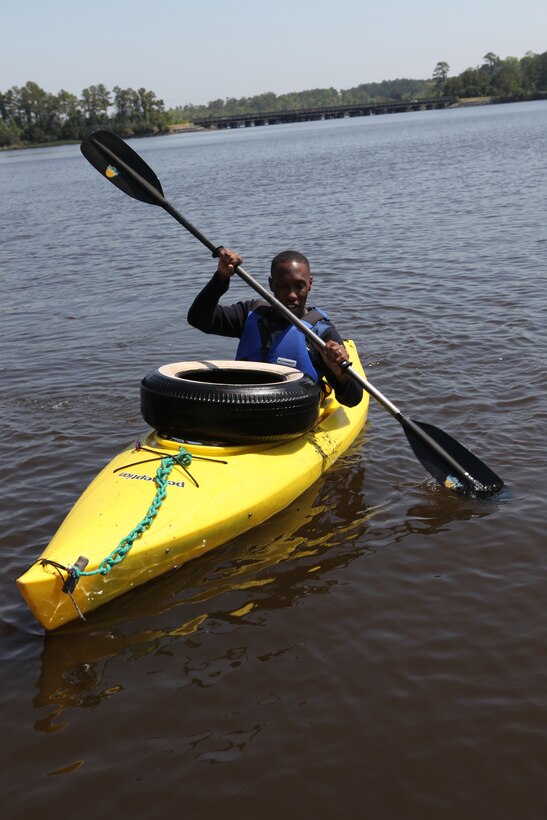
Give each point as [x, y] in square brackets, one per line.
[448, 461]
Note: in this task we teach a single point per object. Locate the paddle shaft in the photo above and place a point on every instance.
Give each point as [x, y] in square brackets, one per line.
[315, 340]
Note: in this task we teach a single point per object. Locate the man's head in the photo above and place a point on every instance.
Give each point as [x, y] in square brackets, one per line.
[291, 280]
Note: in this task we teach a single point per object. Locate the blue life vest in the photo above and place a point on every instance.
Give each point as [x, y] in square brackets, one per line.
[260, 342]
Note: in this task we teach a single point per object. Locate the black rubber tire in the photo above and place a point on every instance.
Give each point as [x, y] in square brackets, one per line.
[229, 402]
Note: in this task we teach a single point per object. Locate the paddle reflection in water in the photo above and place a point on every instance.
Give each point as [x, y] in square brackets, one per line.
[298, 553]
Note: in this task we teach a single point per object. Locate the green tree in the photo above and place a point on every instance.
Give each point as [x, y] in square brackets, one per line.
[126, 103]
[492, 62]
[95, 102]
[36, 112]
[216, 108]
[542, 72]
[10, 133]
[529, 66]
[507, 80]
[262, 103]
[31, 103]
[8, 105]
[440, 74]
[71, 122]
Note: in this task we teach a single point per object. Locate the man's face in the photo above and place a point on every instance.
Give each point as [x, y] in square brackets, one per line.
[291, 282]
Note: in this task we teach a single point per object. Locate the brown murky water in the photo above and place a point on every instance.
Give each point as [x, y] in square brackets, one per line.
[378, 649]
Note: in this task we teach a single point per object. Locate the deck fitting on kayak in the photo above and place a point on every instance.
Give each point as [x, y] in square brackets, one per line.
[183, 460]
[72, 571]
[73, 574]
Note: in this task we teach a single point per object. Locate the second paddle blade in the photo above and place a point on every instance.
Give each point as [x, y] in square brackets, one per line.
[110, 155]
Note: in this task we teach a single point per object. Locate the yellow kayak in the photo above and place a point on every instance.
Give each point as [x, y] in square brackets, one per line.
[212, 493]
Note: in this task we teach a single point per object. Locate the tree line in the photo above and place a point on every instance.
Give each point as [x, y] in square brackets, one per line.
[30, 115]
[508, 78]
[396, 90]
[499, 78]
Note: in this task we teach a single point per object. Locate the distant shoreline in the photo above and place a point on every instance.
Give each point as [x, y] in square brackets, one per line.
[189, 128]
[179, 128]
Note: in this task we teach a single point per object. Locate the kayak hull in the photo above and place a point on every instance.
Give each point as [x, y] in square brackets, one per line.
[224, 492]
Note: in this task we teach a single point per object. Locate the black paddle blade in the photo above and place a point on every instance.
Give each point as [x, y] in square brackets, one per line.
[478, 479]
[115, 160]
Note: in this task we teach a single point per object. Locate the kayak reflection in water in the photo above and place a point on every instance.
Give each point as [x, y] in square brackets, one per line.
[265, 335]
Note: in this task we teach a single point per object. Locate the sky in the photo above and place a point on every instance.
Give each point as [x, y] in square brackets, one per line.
[195, 51]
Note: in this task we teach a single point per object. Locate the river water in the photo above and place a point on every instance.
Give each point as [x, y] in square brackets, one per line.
[379, 648]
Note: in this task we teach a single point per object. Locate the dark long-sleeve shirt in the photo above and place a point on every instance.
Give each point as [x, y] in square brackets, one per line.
[207, 315]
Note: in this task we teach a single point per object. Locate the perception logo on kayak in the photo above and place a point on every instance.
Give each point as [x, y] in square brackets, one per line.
[111, 171]
[138, 477]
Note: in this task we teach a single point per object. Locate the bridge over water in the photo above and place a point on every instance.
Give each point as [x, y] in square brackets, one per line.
[325, 113]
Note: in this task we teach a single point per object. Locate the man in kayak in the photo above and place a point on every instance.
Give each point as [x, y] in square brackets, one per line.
[265, 335]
